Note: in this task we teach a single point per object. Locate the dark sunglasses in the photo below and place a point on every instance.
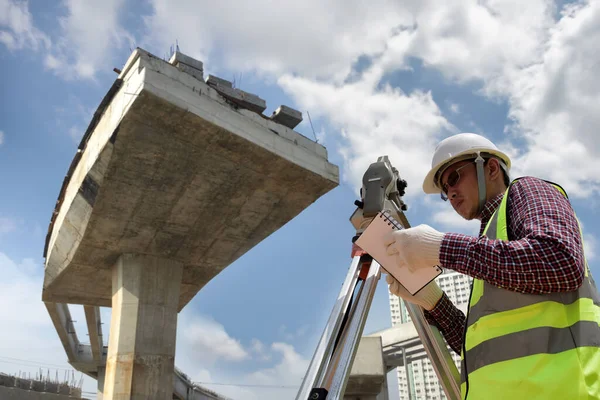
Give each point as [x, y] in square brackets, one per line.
[452, 180]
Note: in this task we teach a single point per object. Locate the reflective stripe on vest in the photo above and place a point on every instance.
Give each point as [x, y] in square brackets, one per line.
[524, 346]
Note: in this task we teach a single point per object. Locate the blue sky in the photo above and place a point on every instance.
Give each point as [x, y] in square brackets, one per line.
[382, 79]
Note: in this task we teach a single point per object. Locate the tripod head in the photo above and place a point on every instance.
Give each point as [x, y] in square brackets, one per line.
[382, 190]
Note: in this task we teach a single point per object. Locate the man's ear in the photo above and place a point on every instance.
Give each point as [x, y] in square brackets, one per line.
[494, 169]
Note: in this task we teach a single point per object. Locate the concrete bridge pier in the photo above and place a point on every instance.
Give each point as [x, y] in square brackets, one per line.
[176, 178]
[100, 379]
[141, 348]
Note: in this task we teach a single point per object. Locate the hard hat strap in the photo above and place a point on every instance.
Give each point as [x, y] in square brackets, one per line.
[479, 161]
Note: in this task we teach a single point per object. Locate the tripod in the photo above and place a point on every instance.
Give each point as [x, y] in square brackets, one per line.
[329, 369]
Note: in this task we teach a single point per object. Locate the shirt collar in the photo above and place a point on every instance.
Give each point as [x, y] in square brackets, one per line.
[488, 211]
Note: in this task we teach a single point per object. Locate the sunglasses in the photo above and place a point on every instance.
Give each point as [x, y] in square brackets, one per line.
[452, 180]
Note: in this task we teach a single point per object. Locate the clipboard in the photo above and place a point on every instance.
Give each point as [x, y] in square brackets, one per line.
[371, 241]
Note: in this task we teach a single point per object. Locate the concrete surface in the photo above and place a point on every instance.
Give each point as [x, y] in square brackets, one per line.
[185, 389]
[100, 382]
[170, 167]
[367, 376]
[94, 326]
[141, 348]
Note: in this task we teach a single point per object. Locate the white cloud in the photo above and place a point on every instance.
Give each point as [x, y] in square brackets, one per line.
[37, 229]
[7, 225]
[311, 48]
[30, 342]
[288, 371]
[16, 27]
[374, 122]
[73, 117]
[209, 339]
[76, 133]
[204, 376]
[546, 77]
[1, 138]
[52, 62]
[294, 335]
[590, 244]
[91, 35]
[259, 349]
[287, 374]
[279, 381]
[553, 104]
[205, 349]
[211, 357]
[476, 39]
[313, 38]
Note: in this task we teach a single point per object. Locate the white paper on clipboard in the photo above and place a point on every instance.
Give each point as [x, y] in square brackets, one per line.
[371, 241]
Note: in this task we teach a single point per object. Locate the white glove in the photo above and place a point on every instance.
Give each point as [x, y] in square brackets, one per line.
[415, 248]
[427, 297]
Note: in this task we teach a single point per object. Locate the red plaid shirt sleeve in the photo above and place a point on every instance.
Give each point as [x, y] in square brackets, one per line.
[449, 320]
[545, 251]
[544, 254]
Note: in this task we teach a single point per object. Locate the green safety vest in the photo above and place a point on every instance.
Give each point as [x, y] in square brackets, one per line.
[525, 346]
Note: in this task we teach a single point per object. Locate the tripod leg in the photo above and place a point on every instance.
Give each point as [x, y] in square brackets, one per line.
[334, 374]
[438, 353]
[342, 339]
[321, 358]
[341, 370]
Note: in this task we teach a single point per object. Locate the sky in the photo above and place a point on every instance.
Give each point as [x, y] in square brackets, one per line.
[378, 78]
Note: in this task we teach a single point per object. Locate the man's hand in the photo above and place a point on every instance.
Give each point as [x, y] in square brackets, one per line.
[427, 297]
[415, 248]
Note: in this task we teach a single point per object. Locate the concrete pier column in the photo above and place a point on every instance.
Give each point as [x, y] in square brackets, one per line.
[141, 348]
[101, 375]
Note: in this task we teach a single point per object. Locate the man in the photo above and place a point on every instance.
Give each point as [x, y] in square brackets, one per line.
[533, 326]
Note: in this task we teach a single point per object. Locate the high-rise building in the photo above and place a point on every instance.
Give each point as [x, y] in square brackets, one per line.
[421, 380]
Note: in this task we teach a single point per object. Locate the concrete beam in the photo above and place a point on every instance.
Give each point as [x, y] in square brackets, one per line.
[237, 96]
[185, 389]
[85, 361]
[287, 116]
[216, 81]
[368, 375]
[187, 64]
[141, 350]
[63, 324]
[198, 74]
[396, 334]
[94, 326]
[180, 58]
[171, 168]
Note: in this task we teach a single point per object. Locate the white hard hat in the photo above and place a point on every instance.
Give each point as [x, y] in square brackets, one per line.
[456, 148]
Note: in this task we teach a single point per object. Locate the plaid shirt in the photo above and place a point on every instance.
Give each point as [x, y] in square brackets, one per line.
[544, 254]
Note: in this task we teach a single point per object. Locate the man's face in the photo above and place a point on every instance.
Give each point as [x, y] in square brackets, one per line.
[463, 195]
